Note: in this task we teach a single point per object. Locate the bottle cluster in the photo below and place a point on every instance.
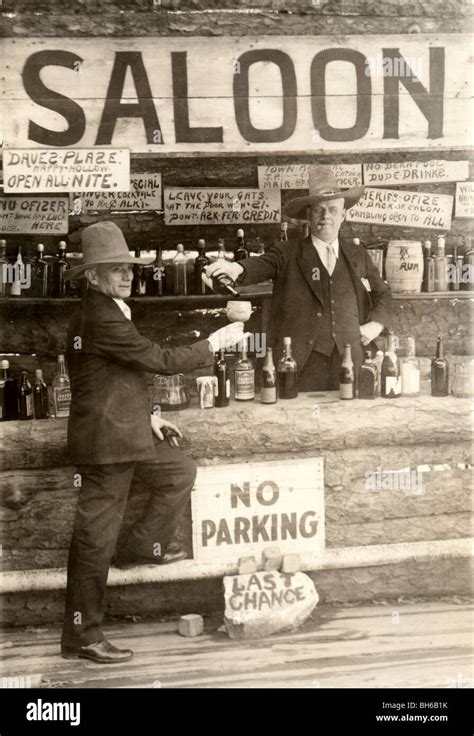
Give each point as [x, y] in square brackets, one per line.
[20, 399]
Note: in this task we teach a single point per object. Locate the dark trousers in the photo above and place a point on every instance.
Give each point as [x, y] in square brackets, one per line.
[321, 372]
[100, 509]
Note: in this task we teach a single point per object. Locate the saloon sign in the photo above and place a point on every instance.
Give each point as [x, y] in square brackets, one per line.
[210, 95]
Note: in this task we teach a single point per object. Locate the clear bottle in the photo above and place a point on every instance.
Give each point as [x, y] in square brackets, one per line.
[441, 266]
[244, 376]
[58, 268]
[390, 375]
[410, 370]
[284, 232]
[241, 252]
[199, 265]
[40, 275]
[368, 378]
[8, 394]
[180, 272]
[428, 283]
[61, 390]
[287, 373]
[439, 371]
[18, 273]
[454, 273]
[346, 375]
[25, 397]
[4, 268]
[40, 396]
[268, 383]
[221, 249]
[222, 390]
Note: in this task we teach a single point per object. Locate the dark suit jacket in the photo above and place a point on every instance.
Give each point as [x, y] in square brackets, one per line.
[109, 420]
[297, 296]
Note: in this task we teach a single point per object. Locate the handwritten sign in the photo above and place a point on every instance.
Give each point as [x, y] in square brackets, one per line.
[145, 194]
[295, 176]
[239, 509]
[66, 170]
[407, 209]
[415, 172]
[464, 206]
[226, 94]
[34, 215]
[221, 206]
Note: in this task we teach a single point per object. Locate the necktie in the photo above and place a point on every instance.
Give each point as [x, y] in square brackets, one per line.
[330, 259]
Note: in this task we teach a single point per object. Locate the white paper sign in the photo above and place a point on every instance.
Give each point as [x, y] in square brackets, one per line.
[407, 209]
[221, 206]
[66, 170]
[34, 215]
[239, 509]
[415, 172]
[464, 206]
[295, 176]
[145, 194]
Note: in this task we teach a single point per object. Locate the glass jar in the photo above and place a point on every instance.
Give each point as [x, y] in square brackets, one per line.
[170, 393]
[463, 382]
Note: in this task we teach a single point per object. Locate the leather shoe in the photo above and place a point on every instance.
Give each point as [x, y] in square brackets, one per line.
[100, 651]
[173, 553]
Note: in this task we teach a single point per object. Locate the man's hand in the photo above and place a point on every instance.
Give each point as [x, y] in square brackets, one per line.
[226, 337]
[232, 269]
[171, 430]
[369, 332]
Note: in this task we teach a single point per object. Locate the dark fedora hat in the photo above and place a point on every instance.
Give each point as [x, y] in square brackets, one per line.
[322, 186]
[103, 242]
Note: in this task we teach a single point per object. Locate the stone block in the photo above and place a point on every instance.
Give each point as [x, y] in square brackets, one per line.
[272, 558]
[247, 565]
[291, 563]
[191, 624]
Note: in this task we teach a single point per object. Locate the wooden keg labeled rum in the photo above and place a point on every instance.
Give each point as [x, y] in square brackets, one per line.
[404, 266]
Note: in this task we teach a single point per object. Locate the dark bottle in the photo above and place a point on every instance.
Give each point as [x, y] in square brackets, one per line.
[368, 378]
[40, 396]
[223, 284]
[244, 376]
[391, 384]
[25, 397]
[4, 268]
[284, 232]
[58, 269]
[439, 371]
[199, 265]
[268, 385]
[428, 268]
[40, 275]
[241, 251]
[156, 276]
[223, 381]
[8, 394]
[287, 373]
[139, 276]
[346, 375]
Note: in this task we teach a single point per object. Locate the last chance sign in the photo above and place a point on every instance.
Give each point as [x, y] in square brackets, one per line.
[241, 508]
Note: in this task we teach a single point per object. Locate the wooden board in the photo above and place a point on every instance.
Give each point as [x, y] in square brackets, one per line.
[414, 172]
[34, 215]
[145, 193]
[295, 176]
[240, 94]
[403, 209]
[221, 206]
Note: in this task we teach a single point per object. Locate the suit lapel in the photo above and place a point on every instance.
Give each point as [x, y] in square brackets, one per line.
[308, 260]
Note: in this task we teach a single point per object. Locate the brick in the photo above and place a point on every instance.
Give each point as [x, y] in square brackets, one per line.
[291, 563]
[191, 624]
[247, 565]
[272, 558]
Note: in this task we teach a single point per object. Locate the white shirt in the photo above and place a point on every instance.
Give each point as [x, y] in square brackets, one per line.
[124, 307]
[322, 249]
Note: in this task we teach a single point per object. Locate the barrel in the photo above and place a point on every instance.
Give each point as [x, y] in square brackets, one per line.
[404, 266]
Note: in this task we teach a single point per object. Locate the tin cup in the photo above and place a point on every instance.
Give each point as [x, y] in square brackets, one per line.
[207, 388]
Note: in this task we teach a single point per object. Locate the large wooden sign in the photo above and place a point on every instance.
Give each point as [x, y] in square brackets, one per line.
[66, 170]
[145, 194]
[221, 206]
[239, 94]
[414, 172]
[464, 206]
[239, 509]
[295, 176]
[34, 215]
[407, 209]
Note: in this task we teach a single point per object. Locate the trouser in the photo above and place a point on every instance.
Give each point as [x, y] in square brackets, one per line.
[100, 509]
[321, 372]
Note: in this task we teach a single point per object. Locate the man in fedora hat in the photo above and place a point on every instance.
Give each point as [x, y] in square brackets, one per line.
[114, 440]
[326, 293]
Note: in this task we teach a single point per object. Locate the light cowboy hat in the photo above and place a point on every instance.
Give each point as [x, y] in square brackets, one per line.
[322, 186]
[103, 242]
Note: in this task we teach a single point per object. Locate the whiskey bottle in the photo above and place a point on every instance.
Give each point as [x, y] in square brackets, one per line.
[40, 396]
[390, 378]
[199, 265]
[244, 376]
[439, 372]
[4, 268]
[346, 375]
[222, 390]
[8, 394]
[368, 378]
[410, 371]
[139, 276]
[156, 277]
[61, 390]
[241, 251]
[268, 383]
[180, 272]
[428, 268]
[58, 269]
[287, 373]
[40, 275]
[25, 397]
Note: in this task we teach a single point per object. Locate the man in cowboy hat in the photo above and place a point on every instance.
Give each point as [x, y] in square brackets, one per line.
[111, 438]
[326, 294]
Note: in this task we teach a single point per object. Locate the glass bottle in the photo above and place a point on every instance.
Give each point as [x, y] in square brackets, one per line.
[58, 269]
[18, 273]
[454, 273]
[268, 383]
[61, 390]
[441, 266]
[428, 283]
[40, 396]
[40, 275]
[222, 389]
[439, 371]
[4, 268]
[346, 375]
[25, 397]
[199, 265]
[390, 376]
[156, 277]
[244, 376]
[410, 370]
[8, 394]
[284, 232]
[221, 249]
[368, 378]
[287, 373]
[139, 276]
[241, 251]
[180, 271]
